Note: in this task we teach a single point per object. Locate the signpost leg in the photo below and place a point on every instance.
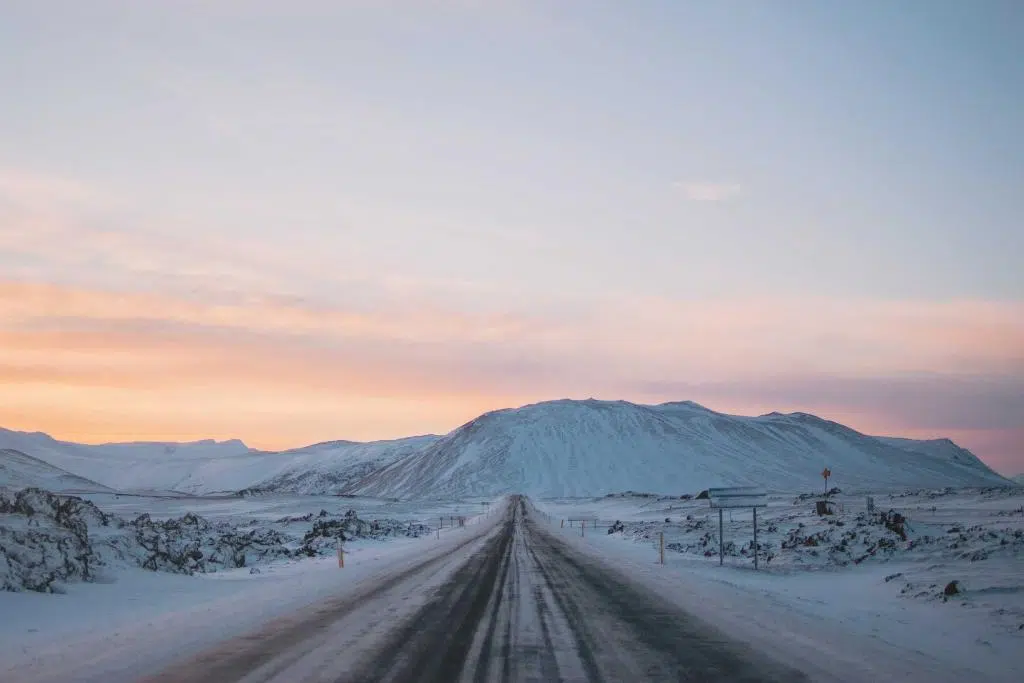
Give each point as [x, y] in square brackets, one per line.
[721, 547]
[755, 539]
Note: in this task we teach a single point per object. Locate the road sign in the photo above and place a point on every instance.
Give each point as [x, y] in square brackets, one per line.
[736, 497]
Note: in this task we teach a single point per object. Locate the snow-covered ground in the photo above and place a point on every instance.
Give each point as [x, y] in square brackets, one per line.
[132, 621]
[872, 602]
[870, 608]
[269, 507]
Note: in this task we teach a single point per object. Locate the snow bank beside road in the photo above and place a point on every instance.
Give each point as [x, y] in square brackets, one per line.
[47, 540]
[118, 631]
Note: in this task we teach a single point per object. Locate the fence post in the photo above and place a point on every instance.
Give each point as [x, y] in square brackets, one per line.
[721, 546]
[755, 539]
[661, 546]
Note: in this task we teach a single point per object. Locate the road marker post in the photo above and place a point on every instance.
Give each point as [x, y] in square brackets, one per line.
[341, 556]
[721, 544]
[755, 539]
[661, 546]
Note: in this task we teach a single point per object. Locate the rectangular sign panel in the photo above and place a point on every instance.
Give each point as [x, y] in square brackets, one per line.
[738, 497]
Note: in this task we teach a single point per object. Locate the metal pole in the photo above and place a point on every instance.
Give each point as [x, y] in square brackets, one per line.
[755, 539]
[721, 547]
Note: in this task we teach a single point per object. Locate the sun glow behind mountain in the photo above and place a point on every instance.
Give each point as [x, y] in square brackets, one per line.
[287, 234]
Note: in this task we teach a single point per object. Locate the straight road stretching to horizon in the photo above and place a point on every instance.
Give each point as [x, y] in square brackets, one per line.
[513, 604]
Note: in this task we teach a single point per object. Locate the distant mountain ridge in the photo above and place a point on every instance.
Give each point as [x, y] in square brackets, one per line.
[550, 449]
[20, 470]
[587, 448]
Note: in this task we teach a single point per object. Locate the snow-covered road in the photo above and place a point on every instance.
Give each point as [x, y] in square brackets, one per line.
[512, 602]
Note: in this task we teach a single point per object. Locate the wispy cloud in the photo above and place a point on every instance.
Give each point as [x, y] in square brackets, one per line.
[707, 192]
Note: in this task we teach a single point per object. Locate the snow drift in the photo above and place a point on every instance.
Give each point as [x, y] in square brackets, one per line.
[591, 448]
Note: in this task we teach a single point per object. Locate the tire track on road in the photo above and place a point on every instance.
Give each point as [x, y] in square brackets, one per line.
[279, 643]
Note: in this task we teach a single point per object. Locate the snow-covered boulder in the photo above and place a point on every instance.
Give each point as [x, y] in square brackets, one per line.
[192, 544]
[44, 540]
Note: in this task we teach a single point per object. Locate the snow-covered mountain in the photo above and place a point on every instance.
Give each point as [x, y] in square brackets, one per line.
[586, 448]
[1019, 479]
[332, 466]
[18, 471]
[552, 449]
[208, 466]
[134, 466]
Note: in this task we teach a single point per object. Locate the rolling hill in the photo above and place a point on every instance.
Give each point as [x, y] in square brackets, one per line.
[586, 448]
[18, 470]
[205, 467]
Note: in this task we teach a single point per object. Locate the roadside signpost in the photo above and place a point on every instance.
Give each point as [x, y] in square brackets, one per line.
[736, 497]
[826, 473]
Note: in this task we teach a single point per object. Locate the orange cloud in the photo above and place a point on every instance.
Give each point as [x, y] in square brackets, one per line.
[101, 365]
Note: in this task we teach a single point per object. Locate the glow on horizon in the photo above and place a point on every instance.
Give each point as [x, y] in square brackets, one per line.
[223, 220]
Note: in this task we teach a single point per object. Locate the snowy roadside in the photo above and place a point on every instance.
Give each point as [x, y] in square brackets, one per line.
[137, 621]
[885, 618]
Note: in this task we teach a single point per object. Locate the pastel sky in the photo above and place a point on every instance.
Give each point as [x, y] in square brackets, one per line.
[306, 220]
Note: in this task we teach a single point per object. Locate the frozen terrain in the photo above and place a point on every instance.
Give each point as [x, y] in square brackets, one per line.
[580, 448]
[18, 470]
[48, 541]
[947, 581]
[132, 622]
[208, 466]
[515, 595]
[557, 448]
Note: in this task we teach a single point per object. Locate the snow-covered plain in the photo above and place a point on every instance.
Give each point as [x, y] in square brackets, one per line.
[874, 608]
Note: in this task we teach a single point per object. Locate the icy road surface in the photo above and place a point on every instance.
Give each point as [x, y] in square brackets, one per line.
[518, 605]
